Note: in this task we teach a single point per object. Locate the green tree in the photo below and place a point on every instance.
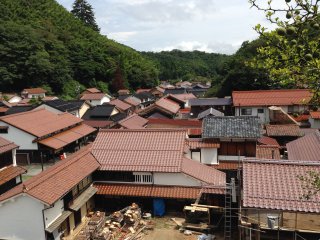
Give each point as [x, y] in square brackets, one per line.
[84, 11]
[291, 54]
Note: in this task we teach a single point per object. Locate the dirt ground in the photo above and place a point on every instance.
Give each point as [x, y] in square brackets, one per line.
[166, 229]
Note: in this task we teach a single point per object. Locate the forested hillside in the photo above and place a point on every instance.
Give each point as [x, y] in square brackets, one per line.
[187, 65]
[41, 43]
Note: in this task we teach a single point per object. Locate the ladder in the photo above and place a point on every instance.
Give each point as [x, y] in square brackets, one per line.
[227, 213]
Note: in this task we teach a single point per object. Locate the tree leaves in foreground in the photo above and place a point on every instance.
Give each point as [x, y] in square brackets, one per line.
[291, 54]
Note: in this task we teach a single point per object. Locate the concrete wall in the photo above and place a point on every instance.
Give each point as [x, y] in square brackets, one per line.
[19, 137]
[264, 117]
[21, 219]
[179, 179]
[53, 213]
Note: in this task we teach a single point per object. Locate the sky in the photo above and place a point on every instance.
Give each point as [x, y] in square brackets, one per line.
[155, 25]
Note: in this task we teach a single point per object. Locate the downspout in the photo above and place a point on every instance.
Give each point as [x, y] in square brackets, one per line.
[43, 219]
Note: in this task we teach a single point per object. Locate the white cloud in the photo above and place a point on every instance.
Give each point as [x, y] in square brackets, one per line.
[121, 36]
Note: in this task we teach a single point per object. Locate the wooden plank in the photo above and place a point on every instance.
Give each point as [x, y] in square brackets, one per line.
[207, 206]
[308, 221]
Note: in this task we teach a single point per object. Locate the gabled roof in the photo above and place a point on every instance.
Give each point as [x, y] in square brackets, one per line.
[276, 185]
[54, 182]
[150, 150]
[133, 121]
[65, 106]
[268, 152]
[315, 115]
[289, 130]
[120, 104]
[306, 148]
[210, 102]
[183, 123]
[144, 95]
[93, 90]
[10, 172]
[168, 105]
[231, 127]
[99, 112]
[271, 97]
[93, 96]
[196, 143]
[6, 145]
[174, 91]
[41, 122]
[140, 90]
[132, 101]
[210, 112]
[34, 90]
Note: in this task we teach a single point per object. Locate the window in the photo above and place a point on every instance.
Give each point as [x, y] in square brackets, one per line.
[246, 111]
[3, 129]
[293, 109]
[260, 110]
[143, 177]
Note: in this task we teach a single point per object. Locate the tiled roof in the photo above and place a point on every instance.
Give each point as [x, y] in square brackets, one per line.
[57, 180]
[93, 90]
[271, 97]
[100, 112]
[264, 140]
[61, 140]
[175, 122]
[226, 165]
[305, 148]
[195, 143]
[210, 112]
[231, 127]
[132, 101]
[268, 152]
[291, 130]
[19, 109]
[98, 123]
[203, 173]
[315, 115]
[92, 96]
[34, 90]
[168, 105]
[174, 91]
[125, 91]
[194, 131]
[64, 106]
[133, 122]
[148, 191]
[120, 104]
[6, 145]
[151, 150]
[275, 185]
[301, 118]
[210, 102]
[41, 122]
[10, 172]
[182, 97]
[140, 90]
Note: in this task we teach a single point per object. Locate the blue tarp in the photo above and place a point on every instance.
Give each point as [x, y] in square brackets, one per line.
[159, 207]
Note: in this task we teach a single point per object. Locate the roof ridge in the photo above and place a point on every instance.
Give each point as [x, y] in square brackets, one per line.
[272, 90]
[283, 162]
[146, 130]
[22, 113]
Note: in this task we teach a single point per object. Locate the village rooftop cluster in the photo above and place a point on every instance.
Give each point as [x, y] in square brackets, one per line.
[242, 158]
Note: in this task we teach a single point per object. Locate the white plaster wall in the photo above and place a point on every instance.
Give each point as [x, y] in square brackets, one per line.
[264, 117]
[15, 99]
[83, 212]
[105, 99]
[194, 155]
[315, 123]
[42, 95]
[21, 219]
[209, 156]
[175, 179]
[53, 213]
[19, 137]
[95, 102]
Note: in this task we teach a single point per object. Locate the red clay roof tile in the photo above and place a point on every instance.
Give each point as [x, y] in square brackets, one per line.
[291, 130]
[268, 141]
[34, 90]
[133, 121]
[120, 104]
[268, 152]
[271, 97]
[315, 115]
[51, 184]
[6, 145]
[275, 185]
[93, 96]
[10, 172]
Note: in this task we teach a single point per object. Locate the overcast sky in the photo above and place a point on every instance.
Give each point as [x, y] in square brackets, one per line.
[154, 25]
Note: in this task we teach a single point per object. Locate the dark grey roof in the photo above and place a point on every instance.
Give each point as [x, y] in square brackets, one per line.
[99, 112]
[210, 112]
[175, 91]
[144, 95]
[65, 106]
[123, 97]
[210, 102]
[19, 109]
[118, 117]
[231, 127]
